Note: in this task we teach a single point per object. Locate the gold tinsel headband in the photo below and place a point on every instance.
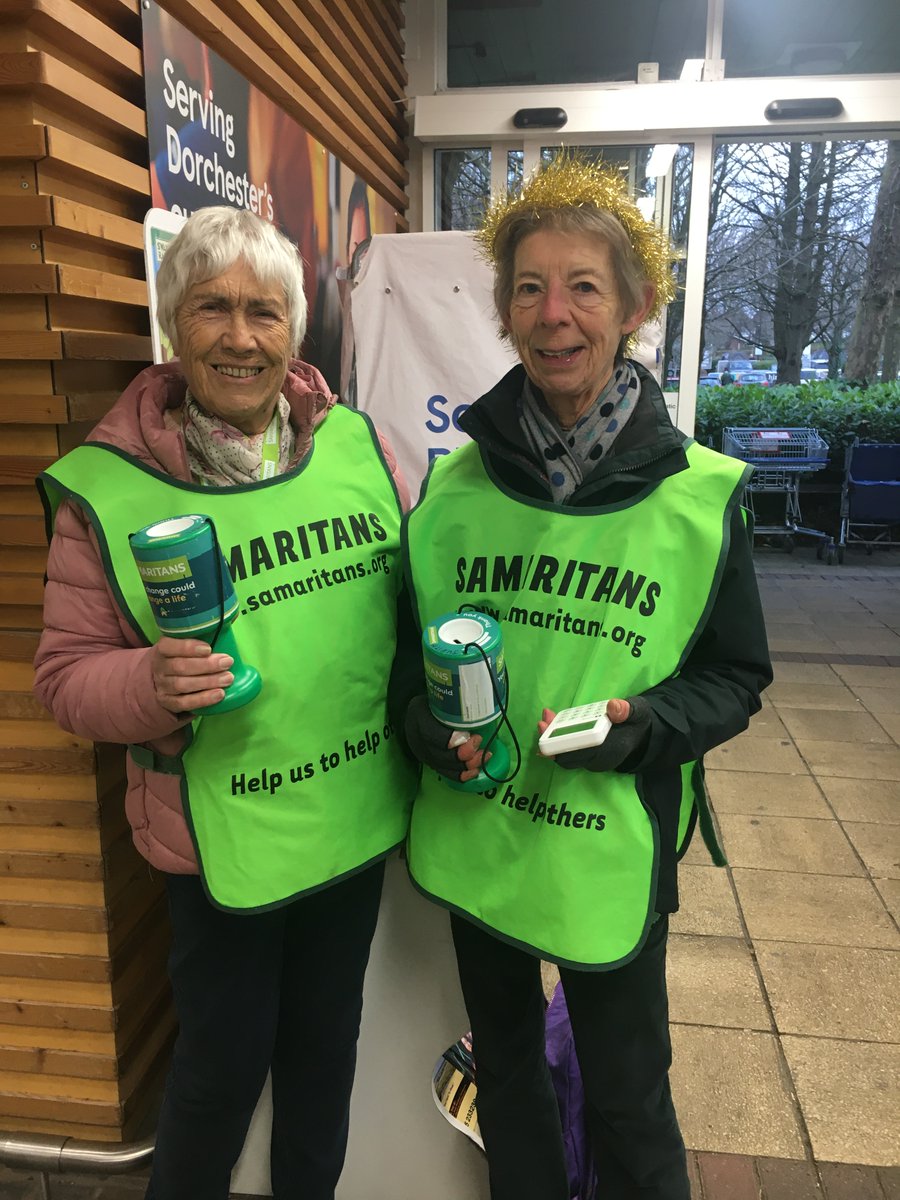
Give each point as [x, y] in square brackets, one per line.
[571, 182]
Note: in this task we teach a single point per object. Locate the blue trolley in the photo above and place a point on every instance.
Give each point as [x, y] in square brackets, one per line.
[870, 497]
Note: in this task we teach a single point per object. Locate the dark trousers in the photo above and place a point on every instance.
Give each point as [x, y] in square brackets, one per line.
[279, 990]
[620, 1024]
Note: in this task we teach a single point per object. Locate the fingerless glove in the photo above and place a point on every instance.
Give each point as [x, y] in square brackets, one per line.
[621, 742]
[427, 738]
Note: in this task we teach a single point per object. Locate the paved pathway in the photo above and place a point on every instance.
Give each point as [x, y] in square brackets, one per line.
[784, 968]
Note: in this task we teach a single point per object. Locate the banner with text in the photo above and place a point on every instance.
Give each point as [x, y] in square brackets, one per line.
[216, 139]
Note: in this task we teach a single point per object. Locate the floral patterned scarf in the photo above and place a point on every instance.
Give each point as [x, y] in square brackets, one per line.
[221, 456]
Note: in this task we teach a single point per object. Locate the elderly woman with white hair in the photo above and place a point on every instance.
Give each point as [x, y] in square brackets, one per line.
[271, 821]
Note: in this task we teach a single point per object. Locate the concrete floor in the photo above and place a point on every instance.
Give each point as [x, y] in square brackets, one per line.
[784, 967]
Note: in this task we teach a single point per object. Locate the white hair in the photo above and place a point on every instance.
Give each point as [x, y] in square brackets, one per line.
[211, 241]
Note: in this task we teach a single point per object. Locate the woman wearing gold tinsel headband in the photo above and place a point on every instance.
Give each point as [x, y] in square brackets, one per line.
[614, 551]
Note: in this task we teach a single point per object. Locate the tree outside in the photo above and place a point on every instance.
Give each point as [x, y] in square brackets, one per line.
[875, 338]
[462, 180]
[803, 256]
[789, 244]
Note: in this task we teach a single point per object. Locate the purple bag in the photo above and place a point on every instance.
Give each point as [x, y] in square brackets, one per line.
[566, 1077]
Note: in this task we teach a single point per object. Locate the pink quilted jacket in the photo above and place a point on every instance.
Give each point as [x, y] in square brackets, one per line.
[90, 670]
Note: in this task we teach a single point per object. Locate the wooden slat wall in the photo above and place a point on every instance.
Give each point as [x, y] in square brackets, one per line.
[85, 1016]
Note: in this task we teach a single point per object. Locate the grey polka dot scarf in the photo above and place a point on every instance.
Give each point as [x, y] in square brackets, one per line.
[569, 455]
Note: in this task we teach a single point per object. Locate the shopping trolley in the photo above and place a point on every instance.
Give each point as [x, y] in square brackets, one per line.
[870, 497]
[780, 457]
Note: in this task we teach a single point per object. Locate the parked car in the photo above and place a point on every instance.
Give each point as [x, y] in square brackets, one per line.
[734, 365]
[713, 379]
[760, 378]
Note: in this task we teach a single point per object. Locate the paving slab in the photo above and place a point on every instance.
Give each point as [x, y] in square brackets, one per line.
[731, 1093]
[832, 991]
[26, 1185]
[781, 1179]
[850, 761]
[809, 641]
[850, 1096]
[890, 723]
[842, 1182]
[21, 1185]
[867, 676]
[802, 672]
[824, 725]
[729, 1176]
[789, 625]
[713, 981]
[694, 1177]
[788, 844]
[879, 700]
[112, 1189]
[810, 599]
[758, 793]
[878, 846]
[763, 754]
[889, 890]
[869, 642]
[825, 909]
[797, 637]
[765, 723]
[847, 624]
[809, 694]
[707, 904]
[781, 610]
[549, 979]
[840, 601]
[697, 854]
[868, 800]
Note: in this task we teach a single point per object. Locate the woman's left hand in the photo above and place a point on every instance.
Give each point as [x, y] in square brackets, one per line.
[630, 720]
[617, 711]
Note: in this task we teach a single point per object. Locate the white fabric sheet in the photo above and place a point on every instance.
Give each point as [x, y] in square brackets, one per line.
[426, 341]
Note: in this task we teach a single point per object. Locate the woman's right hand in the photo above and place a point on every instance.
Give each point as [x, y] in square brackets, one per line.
[188, 675]
[450, 752]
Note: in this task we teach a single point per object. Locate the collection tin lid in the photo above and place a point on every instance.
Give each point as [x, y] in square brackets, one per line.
[454, 635]
[171, 532]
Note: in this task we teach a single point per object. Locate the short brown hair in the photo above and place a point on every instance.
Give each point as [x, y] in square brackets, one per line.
[631, 278]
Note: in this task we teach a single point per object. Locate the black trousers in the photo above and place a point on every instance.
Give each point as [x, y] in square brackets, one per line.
[279, 990]
[620, 1024]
